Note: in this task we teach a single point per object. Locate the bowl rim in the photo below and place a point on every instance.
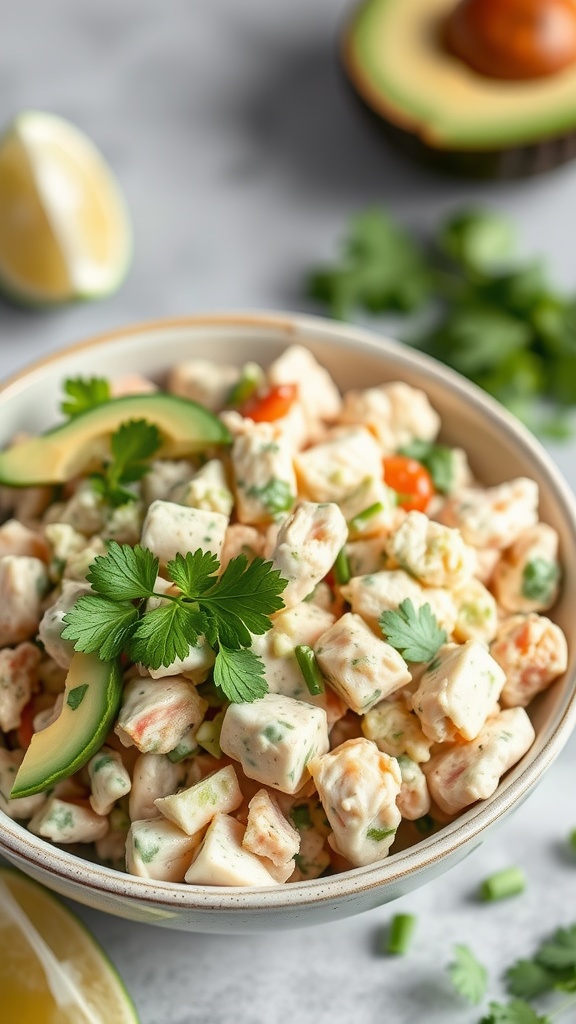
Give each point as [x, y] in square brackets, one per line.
[39, 855]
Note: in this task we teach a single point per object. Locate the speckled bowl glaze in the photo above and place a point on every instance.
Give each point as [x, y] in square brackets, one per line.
[498, 447]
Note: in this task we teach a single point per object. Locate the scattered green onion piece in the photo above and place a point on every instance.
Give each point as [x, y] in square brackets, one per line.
[342, 567]
[400, 934]
[359, 521]
[309, 667]
[501, 885]
[250, 380]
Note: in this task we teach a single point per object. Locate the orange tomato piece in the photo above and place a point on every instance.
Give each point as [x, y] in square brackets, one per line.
[411, 481]
[274, 405]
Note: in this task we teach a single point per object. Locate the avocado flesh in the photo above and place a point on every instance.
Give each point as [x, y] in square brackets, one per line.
[70, 449]
[395, 60]
[64, 747]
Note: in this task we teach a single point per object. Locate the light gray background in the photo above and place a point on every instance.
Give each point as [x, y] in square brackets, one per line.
[241, 155]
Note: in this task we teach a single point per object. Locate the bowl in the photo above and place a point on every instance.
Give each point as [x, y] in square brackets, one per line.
[498, 448]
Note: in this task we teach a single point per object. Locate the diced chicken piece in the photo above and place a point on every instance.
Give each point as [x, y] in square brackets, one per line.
[154, 715]
[395, 413]
[397, 731]
[191, 809]
[25, 806]
[157, 849]
[326, 599]
[527, 577]
[331, 470]
[533, 652]
[208, 489]
[18, 680]
[77, 566]
[203, 381]
[111, 850]
[23, 583]
[313, 857]
[263, 471]
[495, 517]
[370, 509]
[362, 669]
[379, 592]
[17, 539]
[124, 524]
[413, 800]
[367, 556]
[154, 775]
[477, 612]
[25, 504]
[195, 666]
[132, 384]
[302, 624]
[486, 561]
[298, 430]
[306, 549]
[274, 738]
[52, 624]
[65, 822]
[109, 780]
[241, 540]
[268, 833]
[222, 860]
[465, 772]
[316, 390]
[458, 692]
[436, 555]
[358, 786]
[170, 529]
[85, 511]
[64, 542]
[163, 477]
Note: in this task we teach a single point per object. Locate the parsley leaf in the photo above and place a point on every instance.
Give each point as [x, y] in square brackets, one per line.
[84, 393]
[242, 600]
[559, 952]
[165, 634]
[468, 976]
[415, 633]
[194, 572]
[131, 446]
[124, 573]
[477, 239]
[515, 1012]
[528, 979]
[239, 674]
[96, 624]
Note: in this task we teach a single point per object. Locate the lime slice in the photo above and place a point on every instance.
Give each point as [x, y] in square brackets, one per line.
[64, 229]
[51, 969]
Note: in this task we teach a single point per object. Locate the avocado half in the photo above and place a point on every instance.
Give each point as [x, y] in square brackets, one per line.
[439, 110]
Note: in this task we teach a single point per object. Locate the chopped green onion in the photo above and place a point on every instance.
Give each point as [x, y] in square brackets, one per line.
[342, 567]
[309, 667]
[573, 840]
[359, 521]
[250, 380]
[505, 883]
[400, 934]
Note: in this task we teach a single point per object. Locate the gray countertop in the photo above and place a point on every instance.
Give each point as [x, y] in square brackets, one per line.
[241, 155]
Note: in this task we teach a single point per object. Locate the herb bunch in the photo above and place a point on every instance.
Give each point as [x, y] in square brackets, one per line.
[496, 320]
[127, 616]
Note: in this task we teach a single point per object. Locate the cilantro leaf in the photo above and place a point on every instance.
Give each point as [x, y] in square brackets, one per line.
[515, 1012]
[241, 601]
[477, 239]
[240, 675]
[124, 573]
[468, 976]
[165, 634]
[559, 952]
[84, 393]
[97, 624]
[438, 460]
[194, 572]
[131, 446]
[415, 633]
[528, 979]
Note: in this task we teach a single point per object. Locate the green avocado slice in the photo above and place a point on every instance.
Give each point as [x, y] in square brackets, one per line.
[92, 697]
[65, 451]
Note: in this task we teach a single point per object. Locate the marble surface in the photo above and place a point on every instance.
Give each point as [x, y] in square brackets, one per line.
[241, 155]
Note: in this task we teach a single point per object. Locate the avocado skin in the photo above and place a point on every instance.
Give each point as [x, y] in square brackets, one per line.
[506, 164]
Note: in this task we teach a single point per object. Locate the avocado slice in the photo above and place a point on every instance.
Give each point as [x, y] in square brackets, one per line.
[442, 111]
[92, 697]
[72, 448]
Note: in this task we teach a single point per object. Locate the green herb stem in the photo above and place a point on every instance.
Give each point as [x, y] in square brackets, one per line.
[503, 884]
[400, 934]
[342, 572]
[358, 522]
[309, 667]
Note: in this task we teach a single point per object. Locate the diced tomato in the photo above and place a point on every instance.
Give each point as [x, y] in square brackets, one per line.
[411, 480]
[273, 405]
[25, 730]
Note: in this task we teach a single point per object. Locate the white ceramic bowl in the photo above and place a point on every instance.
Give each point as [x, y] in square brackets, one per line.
[498, 448]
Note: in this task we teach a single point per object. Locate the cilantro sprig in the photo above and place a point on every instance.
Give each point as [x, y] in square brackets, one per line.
[415, 633]
[131, 446]
[494, 318]
[468, 976]
[83, 393]
[226, 609]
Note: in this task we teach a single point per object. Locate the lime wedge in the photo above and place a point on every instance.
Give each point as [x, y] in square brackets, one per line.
[64, 229]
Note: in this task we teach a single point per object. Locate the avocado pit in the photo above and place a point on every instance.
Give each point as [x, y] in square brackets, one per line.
[513, 39]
